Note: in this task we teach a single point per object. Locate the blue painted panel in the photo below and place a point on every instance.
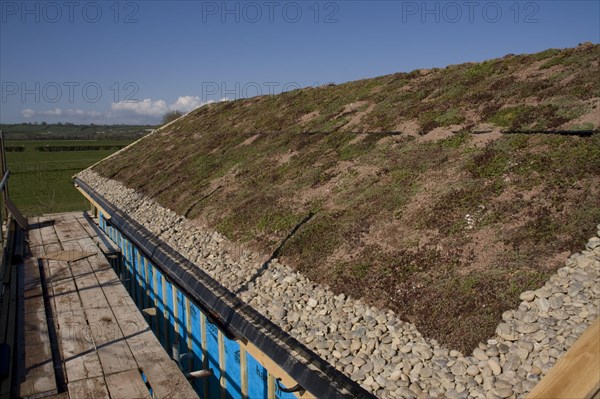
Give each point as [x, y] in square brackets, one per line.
[135, 271]
[130, 266]
[257, 378]
[125, 263]
[182, 321]
[212, 348]
[139, 278]
[170, 317]
[196, 344]
[161, 308]
[150, 280]
[233, 369]
[150, 299]
[135, 281]
[141, 263]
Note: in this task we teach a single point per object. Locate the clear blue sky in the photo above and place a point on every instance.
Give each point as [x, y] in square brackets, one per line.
[130, 62]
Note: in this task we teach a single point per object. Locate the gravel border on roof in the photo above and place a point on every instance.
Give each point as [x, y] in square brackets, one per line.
[386, 355]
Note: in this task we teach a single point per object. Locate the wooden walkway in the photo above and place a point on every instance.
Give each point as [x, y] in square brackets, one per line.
[83, 336]
[577, 373]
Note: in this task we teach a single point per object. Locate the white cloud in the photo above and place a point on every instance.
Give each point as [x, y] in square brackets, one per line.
[186, 104]
[28, 113]
[136, 112]
[158, 108]
[146, 107]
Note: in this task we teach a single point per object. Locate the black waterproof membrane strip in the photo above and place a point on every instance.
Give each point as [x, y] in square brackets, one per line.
[236, 318]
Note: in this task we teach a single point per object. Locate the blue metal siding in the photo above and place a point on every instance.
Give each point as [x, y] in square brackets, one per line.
[257, 378]
[232, 377]
[196, 344]
[154, 290]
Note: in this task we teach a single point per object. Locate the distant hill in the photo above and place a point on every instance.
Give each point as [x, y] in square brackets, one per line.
[420, 199]
[43, 131]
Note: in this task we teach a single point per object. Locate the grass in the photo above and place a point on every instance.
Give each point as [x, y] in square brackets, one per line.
[390, 210]
[458, 94]
[370, 184]
[40, 182]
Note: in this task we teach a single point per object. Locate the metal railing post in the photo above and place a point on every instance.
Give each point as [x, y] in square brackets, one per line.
[3, 185]
[3, 215]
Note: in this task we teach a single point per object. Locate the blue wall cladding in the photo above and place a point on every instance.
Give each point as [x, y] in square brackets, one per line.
[179, 321]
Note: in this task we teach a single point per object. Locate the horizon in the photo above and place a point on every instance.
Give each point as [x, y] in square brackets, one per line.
[121, 63]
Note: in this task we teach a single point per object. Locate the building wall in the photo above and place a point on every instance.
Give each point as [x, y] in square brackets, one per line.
[180, 323]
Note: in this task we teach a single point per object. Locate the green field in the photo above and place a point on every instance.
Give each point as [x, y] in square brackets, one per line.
[40, 181]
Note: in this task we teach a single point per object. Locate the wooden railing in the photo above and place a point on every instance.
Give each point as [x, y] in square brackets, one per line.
[12, 229]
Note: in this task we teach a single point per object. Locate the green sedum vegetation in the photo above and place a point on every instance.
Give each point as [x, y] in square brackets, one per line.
[446, 231]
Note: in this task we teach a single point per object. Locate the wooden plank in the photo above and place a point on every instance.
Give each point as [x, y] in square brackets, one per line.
[113, 288]
[272, 367]
[163, 374]
[7, 322]
[127, 385]
[65, 300]
[577, 373]
[271, 386]
[155, 321]
[222, 364]
[85, 223]
[139, 282]
[106, 245]
[244, 373]
[113, 351]
[37, 368]
[63, 395]
[188, 325]
[204, 350]
[64, 215]
[89, 388]
[164, 316]
[69, 255]
[62, 289]
[69, 229]
[8, 314]
[87, 244]
[46, 228]
[106, 214]
[102, 334]
[90, 291]
[78, 352]
[78, 355]
[32, 295]
[176, 322]
[146, 285]
[59, 271]
[34, 234]
[39, 251]
[14, 211]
